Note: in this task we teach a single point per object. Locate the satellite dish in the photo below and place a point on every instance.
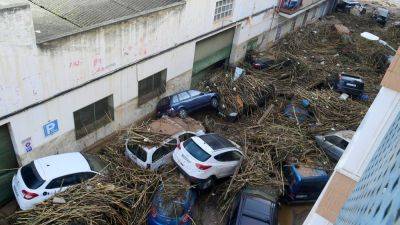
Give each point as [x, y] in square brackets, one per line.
[370, 36]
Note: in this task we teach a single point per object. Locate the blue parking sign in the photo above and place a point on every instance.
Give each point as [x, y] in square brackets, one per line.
[50, 128]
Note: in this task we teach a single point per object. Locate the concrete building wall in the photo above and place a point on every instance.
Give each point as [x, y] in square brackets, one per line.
[46, 82]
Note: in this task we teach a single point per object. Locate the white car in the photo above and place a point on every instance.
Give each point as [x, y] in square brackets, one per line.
[154, 157]
[206, 158]
[334, 144]
[42, 178]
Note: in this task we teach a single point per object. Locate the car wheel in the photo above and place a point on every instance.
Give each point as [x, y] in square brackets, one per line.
[214, 103]
[183, 113]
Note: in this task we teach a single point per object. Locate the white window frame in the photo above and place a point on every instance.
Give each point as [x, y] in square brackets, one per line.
[223, 9]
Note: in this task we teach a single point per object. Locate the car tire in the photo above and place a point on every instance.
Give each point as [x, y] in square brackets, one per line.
[214, 103]
[182, 113]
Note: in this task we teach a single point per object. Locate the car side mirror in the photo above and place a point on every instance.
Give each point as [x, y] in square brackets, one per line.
[202, 93]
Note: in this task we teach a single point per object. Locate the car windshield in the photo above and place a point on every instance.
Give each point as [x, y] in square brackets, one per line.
[31, 177]
[196, 151]
[137, 151]
[95, 162]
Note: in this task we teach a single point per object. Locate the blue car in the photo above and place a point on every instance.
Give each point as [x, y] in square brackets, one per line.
[172, 211]
[185, 102]
[305, 184]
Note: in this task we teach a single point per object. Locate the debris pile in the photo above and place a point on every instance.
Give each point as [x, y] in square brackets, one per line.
[120, 196]
[307, 63]
[304, 66]
[239, 95]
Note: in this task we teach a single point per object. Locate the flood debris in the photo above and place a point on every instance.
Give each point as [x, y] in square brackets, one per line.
[241, 95]
[304, 66]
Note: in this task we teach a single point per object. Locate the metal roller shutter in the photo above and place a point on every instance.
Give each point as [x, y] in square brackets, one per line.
[212, 50]
[7, 161]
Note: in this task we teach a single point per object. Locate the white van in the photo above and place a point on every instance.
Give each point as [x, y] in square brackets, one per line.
[154, 157]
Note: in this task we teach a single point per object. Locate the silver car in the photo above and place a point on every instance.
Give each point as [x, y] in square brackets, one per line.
[334, 144]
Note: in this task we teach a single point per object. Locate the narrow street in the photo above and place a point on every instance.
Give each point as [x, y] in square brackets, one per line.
[223, 112]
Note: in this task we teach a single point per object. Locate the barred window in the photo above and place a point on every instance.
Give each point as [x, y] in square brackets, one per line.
[93, 116]
[152, 87]
[223, 8]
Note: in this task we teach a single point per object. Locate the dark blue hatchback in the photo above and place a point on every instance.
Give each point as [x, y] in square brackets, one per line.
[168, 210]
[185, 102]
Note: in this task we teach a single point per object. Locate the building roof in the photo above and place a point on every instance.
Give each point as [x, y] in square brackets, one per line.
[54, 166]
[54, 19]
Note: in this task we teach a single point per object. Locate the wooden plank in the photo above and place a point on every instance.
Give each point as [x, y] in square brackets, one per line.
[266, 113]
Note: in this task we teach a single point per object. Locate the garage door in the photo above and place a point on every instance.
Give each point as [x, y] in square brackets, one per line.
[213, 50]
[7, 161]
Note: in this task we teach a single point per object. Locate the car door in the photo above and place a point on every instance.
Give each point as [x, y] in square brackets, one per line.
[198, 99]
[227, 162]
[163, 155]
[185, 101]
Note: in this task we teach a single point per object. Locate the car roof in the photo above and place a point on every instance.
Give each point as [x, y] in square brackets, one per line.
[308, 172]
[54, 166]
[255, 210]
[345, 134]
[216, 141]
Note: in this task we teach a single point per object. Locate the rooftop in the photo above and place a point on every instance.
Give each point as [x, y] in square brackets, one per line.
[54, 19]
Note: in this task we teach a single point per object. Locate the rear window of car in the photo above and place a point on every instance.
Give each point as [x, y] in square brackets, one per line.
[31, 177]
[137, 151]
[196, 151]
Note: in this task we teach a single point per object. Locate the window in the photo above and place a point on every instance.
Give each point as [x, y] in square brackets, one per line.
[196, 151]
[175, 99]
[137, 151]
[93, 116]
[152, 87]
[228, 156]
[337, 141]
[194, 93]
[223, 8]
[31, 177]
[163, 150]
[183, 96]
[69, 180]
